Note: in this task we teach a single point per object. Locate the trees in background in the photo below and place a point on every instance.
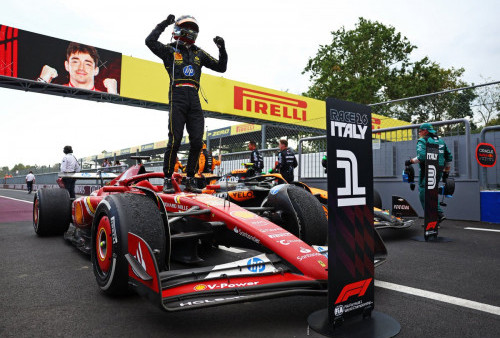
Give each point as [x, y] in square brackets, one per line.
[372, 64]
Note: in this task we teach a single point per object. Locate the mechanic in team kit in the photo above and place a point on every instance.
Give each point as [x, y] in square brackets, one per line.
[178, 166]
[183, 61]
[82, 64]
[206, 162]
[255, 157]
[427, 135]
[30, 179]
[69, 165]
[286, 161]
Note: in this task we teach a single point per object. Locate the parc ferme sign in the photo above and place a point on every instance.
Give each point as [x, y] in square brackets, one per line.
[350, 225]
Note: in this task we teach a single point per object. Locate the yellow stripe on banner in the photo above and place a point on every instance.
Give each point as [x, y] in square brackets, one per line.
[147, 80]
[245, 128]
[144, 80]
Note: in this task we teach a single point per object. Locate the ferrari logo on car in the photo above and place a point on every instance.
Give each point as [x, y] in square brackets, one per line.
[138, 256]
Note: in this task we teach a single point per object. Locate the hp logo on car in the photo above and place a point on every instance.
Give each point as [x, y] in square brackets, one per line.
[256, 265]
[188, 70]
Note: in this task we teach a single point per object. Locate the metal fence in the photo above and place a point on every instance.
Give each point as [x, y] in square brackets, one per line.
[391, 147]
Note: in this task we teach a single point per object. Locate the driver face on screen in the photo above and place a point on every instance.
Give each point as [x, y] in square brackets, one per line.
[82, 69]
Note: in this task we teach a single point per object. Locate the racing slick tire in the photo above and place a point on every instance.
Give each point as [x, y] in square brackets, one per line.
[115, 217]
[51, 211]
[302, 214]
[377, 200]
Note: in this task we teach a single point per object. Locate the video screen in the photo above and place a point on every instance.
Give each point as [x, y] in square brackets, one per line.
[46, 59]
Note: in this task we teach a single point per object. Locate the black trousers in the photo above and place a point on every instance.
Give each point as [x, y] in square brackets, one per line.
[30, 186]
[287, 175]
[69, 184]
[185, 110]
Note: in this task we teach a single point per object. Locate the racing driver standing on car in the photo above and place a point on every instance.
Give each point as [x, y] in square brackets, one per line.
[183, 61]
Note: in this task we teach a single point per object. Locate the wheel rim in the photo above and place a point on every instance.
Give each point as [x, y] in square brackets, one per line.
[36, 212]
[104, 245]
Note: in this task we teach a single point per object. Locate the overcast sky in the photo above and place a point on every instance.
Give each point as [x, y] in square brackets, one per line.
[268, 43]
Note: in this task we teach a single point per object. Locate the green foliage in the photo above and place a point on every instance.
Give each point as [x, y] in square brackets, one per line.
[495, 121]
[371, 64]
[4, 171]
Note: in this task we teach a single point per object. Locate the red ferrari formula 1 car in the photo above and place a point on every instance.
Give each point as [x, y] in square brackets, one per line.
[186, 251]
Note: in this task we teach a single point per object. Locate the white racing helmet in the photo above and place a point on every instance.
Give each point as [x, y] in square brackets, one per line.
[186, 29]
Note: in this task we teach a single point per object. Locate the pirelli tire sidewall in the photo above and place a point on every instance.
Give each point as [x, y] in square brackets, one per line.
[114, 281]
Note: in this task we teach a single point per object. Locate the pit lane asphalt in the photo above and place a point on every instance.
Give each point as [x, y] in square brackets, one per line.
[48, 289]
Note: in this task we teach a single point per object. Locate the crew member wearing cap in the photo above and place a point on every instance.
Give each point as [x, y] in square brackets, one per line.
[427, 135]
[183, 61]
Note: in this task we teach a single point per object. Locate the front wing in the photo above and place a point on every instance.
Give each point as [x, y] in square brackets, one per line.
[252, 278]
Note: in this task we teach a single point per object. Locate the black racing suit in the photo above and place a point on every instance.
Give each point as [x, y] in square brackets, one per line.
[183, 65]
[257, 160]
[286, 163]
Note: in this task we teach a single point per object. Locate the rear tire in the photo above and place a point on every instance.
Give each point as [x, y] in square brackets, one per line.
[116, 216]
[51, 212]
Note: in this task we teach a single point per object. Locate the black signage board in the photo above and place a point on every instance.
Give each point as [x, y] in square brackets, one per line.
[431, 191]
[350, 204]
[486, 155]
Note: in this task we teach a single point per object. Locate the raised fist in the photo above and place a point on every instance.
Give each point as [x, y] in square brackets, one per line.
[47, 74]
[111, 85]
[219, 42]
[170, 19]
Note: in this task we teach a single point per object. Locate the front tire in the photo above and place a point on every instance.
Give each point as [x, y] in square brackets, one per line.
[51, 212]
[302, 214]
[116, 216]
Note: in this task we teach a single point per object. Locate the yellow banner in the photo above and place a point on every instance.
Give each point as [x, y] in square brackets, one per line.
[147, 80]
[245, 128]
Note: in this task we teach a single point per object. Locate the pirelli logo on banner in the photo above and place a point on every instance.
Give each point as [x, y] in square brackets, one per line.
[254, 101]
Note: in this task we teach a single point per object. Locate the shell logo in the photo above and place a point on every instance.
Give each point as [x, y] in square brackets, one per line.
[177, 199]
[200, 287]
[243, 214]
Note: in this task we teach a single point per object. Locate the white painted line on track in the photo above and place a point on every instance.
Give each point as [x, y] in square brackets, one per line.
[482, 229]
[440, 297]
[16, 199]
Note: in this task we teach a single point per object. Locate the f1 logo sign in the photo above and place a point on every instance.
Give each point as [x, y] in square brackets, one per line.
[353, 289]
[431, 177]
[431, 226]
[346, 195]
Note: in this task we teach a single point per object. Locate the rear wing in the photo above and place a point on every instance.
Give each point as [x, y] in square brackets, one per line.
[89, 176]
